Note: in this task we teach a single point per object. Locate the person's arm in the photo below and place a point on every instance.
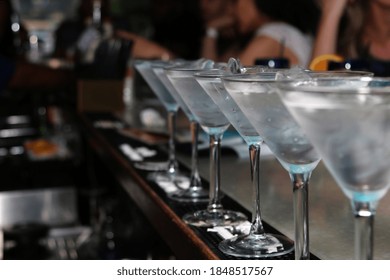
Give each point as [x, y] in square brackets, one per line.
[328, 28]
[214, 29]
[143, 48]
[209, 44]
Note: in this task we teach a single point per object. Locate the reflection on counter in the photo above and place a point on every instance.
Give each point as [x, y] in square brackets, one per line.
[331, 224]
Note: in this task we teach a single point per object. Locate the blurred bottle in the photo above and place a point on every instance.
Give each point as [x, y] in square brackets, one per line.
[96, 30]
[17, 34]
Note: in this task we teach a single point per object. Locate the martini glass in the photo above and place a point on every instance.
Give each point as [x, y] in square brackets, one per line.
[169, 169]
[347, 121]
[214, 123]
[195, 192]
[257, 243]
[256, 96]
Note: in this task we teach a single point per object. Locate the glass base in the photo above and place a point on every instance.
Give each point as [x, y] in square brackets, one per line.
[152, 166]
[257, 246]
[192, 194]
[206, 218]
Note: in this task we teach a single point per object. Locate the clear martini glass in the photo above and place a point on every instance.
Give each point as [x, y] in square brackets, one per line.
[347, 120]
[256, 96]
[214, 123]
[167, 170]
[258, 243]
[195, 192]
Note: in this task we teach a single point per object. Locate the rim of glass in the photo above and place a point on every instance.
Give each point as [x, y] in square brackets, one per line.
[347, 73]
[306, 85]
[211, 73]
[183, 68]
[248, 70]
[256, 76]
[251, 77]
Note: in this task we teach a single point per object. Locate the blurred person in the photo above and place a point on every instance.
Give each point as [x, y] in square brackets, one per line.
[144, 48]
[176, 31]
[92, 23]
[221, 39]
[354, 29]
[173, 35]
[281, 29]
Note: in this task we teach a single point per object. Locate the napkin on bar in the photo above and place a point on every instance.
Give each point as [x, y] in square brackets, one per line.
[180, 183]
[226, 232]
[132, 154]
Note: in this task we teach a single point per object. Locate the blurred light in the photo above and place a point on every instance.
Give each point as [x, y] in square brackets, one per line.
[15, 27]
[3, 152]
[271, 64]
[365, 213]
[17, 150]
[33, 39]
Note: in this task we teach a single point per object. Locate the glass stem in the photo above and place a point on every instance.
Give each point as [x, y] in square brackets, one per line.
[215, 174]
[254, 156]
[1, 244]
[301, 214]
[172, 162]
[195, 180]
[364, 227]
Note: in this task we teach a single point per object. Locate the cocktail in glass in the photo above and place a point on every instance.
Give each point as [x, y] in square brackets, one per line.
[256, 96]
[214, 123]
[170, 167]
[257, 243]
[195, 192]
[347, 120]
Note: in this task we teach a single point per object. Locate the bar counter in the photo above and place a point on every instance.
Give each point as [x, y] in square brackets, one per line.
[331, 219]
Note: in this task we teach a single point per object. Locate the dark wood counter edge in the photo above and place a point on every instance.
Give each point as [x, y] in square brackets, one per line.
[182, 240]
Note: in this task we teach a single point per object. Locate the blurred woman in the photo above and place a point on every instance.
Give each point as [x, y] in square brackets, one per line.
[221, 39]
[175, 31]
[354, 29]
[281, 29]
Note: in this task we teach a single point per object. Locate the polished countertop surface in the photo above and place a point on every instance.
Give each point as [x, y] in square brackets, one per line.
[331, 221]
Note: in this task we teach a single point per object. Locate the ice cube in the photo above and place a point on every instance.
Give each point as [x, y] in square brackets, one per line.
[293, 73]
